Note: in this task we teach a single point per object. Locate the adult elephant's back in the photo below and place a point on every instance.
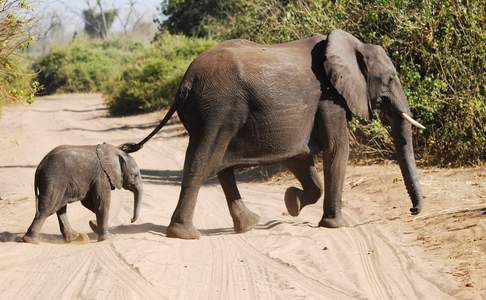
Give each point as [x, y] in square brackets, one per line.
[266, 97]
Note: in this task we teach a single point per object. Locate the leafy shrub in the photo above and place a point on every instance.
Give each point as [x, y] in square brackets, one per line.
[151, 81]
[94, 24]
[85, 65]
[438, 48]
[198, 18]
[16, 82]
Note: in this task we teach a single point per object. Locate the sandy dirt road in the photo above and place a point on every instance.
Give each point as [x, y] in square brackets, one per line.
[383, 254]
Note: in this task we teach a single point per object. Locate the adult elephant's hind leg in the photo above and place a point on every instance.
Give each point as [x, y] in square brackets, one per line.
[68, 233]
[203, 152]
[243, 219]
[304, 170]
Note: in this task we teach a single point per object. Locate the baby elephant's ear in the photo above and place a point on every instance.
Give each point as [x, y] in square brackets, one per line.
[110, 161]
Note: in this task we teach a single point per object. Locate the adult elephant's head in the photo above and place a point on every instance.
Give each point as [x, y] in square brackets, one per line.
[365, 76]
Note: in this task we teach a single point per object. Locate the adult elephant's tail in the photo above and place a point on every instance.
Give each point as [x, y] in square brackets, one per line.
[131, 147]
[180, 98]
[36, 191]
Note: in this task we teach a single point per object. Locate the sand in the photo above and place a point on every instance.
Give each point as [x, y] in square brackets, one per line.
[384, 254]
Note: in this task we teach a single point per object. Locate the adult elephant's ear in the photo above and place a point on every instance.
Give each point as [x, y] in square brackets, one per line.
[344, 66]
[111, 164]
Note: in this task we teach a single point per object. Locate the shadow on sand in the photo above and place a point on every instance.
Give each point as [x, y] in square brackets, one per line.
[174, 177]
[117, 128]
[18, 166]
[86, 110]
[71, 110]
[159, 230]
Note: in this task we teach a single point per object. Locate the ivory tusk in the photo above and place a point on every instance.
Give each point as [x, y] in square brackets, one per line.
[411, 120]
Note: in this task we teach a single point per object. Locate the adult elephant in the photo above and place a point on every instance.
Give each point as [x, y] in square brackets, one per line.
[248, 104]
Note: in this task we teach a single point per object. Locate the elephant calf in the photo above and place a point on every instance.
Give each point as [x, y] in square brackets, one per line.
[86, 173]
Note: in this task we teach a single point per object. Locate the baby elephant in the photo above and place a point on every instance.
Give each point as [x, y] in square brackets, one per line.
[86, 173]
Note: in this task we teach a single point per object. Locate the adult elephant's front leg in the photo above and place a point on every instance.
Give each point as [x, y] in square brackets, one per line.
[333, 129]
[304, 170]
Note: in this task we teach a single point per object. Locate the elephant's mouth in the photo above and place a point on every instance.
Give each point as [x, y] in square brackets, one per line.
[378, 103]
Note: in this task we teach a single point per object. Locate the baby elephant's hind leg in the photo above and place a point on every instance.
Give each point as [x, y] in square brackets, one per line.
[67, 231]
[32, 235]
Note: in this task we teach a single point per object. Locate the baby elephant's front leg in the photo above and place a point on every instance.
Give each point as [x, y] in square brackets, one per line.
[102, 215]
[67, 231]
[101, 237]
[102, 222]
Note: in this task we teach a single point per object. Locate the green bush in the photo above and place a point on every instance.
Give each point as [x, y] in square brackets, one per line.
[438, 48]
[16, 84]
[150, 82]
[85, 65]
[198, 18]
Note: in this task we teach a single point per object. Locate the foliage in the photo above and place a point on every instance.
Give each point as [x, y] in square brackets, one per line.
[437, 47]
[85, 65]
[15, 78]
[93, 22]
[199, 18]
[150, 82]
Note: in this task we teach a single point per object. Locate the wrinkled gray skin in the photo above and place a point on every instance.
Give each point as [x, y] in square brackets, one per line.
[249, 104]
[87, 174]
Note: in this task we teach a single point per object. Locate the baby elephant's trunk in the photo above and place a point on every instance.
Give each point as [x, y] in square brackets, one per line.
[137, 202]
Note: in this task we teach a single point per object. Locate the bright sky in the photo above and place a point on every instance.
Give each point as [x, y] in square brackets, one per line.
[70, 10]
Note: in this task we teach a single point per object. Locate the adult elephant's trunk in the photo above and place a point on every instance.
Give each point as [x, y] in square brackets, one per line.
[402, 136]
[137, 202]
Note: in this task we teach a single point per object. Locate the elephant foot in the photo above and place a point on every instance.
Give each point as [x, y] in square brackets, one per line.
[104, 236]
[415, 210]
[76, 238]
[101, 237]
[30, 239]
[82, 238]
[243, 219]
[292, 201]
[181, 231]
[332, 222]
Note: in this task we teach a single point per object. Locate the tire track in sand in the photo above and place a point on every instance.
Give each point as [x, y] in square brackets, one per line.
[220, 265]
[268, 277]
[374, 250]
